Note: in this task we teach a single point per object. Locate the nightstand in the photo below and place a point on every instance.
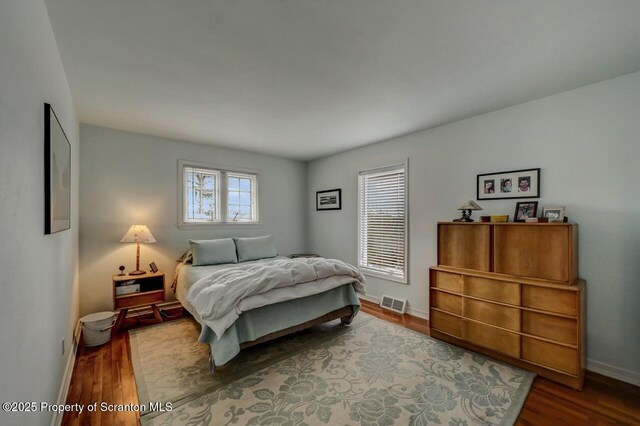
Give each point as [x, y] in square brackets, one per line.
[137, 291]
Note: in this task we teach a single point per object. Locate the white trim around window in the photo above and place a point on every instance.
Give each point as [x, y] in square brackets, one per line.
[383, 222]
[222, 195]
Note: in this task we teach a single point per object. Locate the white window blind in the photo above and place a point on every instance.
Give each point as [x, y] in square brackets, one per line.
[383, 223]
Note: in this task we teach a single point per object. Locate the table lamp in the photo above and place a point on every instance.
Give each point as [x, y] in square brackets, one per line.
[138, 234]
[466, 211]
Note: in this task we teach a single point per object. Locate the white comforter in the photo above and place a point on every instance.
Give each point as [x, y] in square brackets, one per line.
[218, 298]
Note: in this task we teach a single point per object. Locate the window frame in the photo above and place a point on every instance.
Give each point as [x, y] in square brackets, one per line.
[365, 269]
[221, 193]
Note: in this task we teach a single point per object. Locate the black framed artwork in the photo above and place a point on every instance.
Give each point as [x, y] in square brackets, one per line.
[508, 185]
[329, 200]
[57, 174]
[525, 210]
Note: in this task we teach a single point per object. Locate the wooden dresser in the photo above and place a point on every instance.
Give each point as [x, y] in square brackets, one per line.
[511, 291]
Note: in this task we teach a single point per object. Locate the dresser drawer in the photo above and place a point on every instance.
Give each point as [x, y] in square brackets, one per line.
[550, 299]
[447, 302]
[446, 323]
[493, 314]
[550, 355]
[492, 338]
[447, 281]
[499, 291]
[552, 327]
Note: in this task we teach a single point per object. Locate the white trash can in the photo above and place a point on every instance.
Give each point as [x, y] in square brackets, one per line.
[96, 328]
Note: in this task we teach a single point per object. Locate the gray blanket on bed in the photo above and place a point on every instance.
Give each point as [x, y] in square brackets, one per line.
[215, 296]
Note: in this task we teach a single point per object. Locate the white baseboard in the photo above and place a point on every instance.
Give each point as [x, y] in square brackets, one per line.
[56, 420]
[411, 311]
[614, 372]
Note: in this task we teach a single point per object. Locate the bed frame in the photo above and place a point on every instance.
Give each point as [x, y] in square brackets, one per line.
[346, 315]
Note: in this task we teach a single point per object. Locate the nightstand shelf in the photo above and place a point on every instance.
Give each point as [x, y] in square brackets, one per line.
[123, 296]
[138, 291]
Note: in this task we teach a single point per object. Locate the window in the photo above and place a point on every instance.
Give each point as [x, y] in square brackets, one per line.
[241, 200]
[201, 195]
[382, 227]
[212, 195]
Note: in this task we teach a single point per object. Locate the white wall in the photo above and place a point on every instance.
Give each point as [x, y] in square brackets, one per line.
[129, 178]
[38, 283]
[587, 142]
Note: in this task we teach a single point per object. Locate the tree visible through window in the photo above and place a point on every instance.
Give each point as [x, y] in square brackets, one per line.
[240, 202]
[201, 194]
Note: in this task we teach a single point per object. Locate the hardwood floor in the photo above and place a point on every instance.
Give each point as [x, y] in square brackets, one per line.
[105, 374]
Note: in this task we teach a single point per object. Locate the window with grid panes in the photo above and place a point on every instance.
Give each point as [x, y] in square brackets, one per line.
[215, 195]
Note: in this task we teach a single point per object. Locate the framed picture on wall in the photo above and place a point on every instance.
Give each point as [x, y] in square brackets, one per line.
[57, 174]
[508, 185]
[329, 200]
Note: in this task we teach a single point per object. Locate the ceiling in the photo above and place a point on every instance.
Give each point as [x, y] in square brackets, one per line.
[308, 78]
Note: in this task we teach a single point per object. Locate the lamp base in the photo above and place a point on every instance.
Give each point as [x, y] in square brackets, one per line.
[138, 272]
[466, 216]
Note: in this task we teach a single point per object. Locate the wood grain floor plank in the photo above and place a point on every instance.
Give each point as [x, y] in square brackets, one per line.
[96, 391]
[108, 418]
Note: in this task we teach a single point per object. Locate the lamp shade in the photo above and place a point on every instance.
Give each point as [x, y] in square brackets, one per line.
[138, 234]
[470, 205]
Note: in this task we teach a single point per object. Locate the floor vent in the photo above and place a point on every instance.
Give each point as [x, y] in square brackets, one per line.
[396, 305]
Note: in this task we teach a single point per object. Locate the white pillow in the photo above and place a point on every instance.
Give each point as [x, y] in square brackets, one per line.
[213, 252]
[255, 248]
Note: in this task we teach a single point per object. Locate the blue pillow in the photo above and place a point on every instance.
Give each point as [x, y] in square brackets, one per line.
[255, 248]
[213, 252]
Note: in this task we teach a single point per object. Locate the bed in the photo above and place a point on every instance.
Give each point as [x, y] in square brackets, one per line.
[267, 315]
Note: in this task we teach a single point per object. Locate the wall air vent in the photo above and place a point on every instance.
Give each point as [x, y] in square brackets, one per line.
[396, 305]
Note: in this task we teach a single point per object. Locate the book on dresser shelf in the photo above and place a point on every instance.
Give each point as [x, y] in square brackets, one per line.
[511, 291]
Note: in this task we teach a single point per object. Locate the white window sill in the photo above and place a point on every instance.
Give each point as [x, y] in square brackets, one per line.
[382, 275]
[219, 225]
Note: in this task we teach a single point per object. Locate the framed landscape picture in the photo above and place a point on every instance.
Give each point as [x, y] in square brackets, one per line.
[508, 185]
[57, 174]
[329, 200]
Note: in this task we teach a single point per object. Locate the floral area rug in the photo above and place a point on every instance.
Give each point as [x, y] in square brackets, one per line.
[372, 373]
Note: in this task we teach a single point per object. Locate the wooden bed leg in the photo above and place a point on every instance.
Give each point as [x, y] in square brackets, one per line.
[346, 320]
[212, 365]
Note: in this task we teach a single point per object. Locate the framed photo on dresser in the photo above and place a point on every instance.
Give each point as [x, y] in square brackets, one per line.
[525, 210]
[554, 214]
